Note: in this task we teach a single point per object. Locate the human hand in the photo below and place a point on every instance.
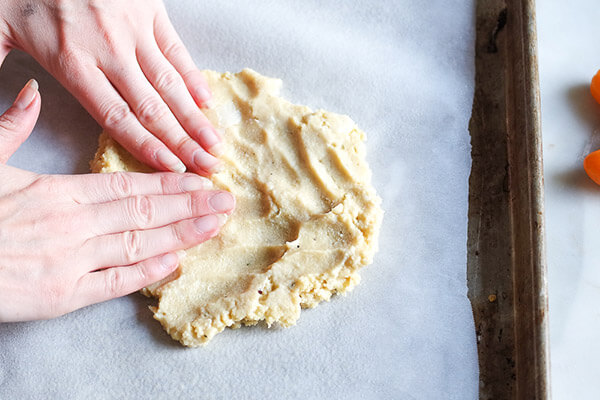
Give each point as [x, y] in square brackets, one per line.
[127, 66]
[70, 241]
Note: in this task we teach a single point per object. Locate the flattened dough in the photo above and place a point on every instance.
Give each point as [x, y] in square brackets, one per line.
[307, 216]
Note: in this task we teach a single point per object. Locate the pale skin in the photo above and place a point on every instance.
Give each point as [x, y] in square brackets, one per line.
[70, 241]
[127, 66]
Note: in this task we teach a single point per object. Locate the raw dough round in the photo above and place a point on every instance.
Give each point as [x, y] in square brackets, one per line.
[307, 216]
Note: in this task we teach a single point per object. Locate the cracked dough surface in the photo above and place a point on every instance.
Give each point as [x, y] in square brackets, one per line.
[307, 216]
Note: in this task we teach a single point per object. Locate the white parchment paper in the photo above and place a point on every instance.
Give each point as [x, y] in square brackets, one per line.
[403, 70]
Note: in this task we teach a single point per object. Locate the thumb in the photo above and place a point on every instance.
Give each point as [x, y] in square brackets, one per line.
[18, 121]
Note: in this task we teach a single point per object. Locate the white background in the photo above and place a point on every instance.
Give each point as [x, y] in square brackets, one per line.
[404, 72]
[569, 57]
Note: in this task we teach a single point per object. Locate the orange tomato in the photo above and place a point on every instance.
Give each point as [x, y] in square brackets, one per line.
[595, 87]
[591, 164]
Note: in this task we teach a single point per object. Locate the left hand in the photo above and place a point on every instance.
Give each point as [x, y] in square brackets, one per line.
[127, 66]
[67, 241]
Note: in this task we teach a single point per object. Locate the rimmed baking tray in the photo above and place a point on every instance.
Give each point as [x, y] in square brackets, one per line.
[506, 255]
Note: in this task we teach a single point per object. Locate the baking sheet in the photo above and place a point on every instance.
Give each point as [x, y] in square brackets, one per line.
[506, 259]
[404, 73]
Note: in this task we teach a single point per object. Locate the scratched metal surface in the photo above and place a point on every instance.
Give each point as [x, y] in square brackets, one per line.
[506, 255]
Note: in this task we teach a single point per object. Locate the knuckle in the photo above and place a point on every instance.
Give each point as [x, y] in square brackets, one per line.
[142, 211]
[69, 61]
[168, 80]
[132, 246]
[115, 283]
[45, 185]
[148, 147]
[141, 276]
[113, 44]
[194, 75]
[175, 51]
[197, 203]
[114, 114]
[9, 123]
[46, 222]
[177, 233]
[121, 184]
[55, 294]
[170, 183]
[66, 57]
[151, 111]
[167, 182]
[183, 143]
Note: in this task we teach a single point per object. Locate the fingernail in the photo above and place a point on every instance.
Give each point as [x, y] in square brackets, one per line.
[170, 161]
[168, 261]
[221, 202]
[27, 94]
[222, 219]
[206, 223]
[192, 183]
[212, 141]
[205, 161]
[209, 137]
[203, 95]
[217, 150]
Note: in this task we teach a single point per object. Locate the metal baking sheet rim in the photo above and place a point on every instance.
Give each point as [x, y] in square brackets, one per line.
[506, 268]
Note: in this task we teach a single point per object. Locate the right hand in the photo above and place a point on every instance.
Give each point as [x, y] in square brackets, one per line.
[70, 241]
[125, 63]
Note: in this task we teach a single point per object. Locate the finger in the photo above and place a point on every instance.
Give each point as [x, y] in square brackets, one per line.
[154, 114]
[4, 50]
[134, 246]
[105, 104]
[146, 212]
[18, 121]
[171, 87]
[174, 50]
[102, 188]
[110, 283]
